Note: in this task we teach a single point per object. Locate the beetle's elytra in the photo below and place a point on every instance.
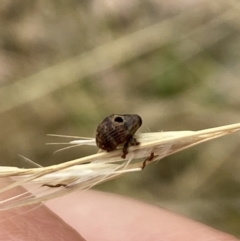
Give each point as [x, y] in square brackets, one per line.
[116, 130]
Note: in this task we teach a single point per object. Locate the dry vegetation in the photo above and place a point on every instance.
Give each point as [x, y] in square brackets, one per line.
[64, 66]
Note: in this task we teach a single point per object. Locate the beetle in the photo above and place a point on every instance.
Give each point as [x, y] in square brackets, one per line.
[116, 130]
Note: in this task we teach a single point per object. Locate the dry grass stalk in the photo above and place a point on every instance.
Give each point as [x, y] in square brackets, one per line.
[83, 173]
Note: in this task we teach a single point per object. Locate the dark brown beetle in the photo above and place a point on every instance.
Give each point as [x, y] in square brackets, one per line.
[116, 130]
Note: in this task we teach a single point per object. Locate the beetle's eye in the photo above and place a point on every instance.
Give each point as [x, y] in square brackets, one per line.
[118, 119]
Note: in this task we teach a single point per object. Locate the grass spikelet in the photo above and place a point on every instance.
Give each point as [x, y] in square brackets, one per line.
[83, 173]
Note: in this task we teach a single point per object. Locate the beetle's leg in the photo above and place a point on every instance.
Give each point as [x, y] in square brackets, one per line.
[131, 141]
[147, 159]
[125, 150]
[57, 185]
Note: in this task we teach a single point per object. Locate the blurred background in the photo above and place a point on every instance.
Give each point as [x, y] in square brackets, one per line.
[66, 65]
